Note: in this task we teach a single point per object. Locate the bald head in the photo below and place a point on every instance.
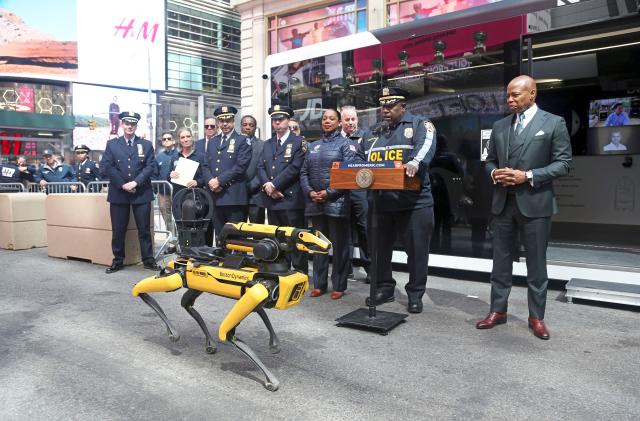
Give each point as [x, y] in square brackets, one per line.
[521, 93]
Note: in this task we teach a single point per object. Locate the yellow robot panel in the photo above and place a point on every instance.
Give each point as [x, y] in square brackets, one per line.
[252, 298]
[292, 288]
[212, 279]
[158, 284]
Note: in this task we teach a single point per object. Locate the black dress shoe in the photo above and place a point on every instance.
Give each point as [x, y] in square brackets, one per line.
[414, 307]
[151, 265]
[381, 298]
[114, 267]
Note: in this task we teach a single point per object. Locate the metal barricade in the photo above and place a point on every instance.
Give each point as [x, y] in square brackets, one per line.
[58, 187]
[11, 187]
[97, 186]
[163, 222]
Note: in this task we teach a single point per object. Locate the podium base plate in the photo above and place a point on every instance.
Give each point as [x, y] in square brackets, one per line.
[384, 321]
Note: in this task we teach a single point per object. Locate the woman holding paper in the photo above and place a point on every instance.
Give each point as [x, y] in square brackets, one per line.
[188, 168]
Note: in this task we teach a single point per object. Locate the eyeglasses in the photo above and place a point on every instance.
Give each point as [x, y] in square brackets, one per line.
[293, 127]
[209, 126]
[167, 138]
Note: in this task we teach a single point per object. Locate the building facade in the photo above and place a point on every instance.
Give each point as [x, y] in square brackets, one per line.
[456, 58]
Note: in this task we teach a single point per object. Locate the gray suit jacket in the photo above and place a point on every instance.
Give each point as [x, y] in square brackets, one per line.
[253, 183]
[546, 152]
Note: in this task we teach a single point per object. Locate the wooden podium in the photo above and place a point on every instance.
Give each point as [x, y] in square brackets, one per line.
[374, 176]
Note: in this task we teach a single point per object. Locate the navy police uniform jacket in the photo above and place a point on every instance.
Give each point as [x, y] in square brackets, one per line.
[410, 139]
[86, 171]
[228, 162]
[59, 173]
[9, 173]
[121, 164]
[281, 166]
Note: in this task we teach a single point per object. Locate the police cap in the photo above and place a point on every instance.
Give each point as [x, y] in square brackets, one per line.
[225, 113]
[81, 148]
[390, 95]
[280, 111]
[47, 152]
[616, 105]
[130, 116]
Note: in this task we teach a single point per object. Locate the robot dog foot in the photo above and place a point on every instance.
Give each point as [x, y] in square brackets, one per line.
[171, 331]
[271, 383]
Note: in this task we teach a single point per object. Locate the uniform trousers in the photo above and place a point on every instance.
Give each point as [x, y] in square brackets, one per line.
[256, 214]
[119, 222]
[292, 218]
[359, 211]
[231, 213]
[534, 234]
[414, 227]
[338, 231]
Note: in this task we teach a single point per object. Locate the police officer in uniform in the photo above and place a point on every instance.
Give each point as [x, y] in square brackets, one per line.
[404, 137]
[359, 206]
[248, 128]
[129, 163]
[228, 156]
[279, 178]
[86, 170]
[11, 173]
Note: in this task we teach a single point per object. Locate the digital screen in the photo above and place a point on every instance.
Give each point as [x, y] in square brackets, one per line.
[614, 112]
[613, 140]
[101, 106]
[116, 42]
[420, 9]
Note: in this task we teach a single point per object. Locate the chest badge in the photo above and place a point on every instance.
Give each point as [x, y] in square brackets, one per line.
[408, 132]
[140, 150]
[232, 146]
[287, 151]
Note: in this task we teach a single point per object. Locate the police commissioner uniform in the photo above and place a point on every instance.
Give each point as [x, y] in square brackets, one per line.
[280, 164]
[228, 157]
[126, 160]
[407, 215]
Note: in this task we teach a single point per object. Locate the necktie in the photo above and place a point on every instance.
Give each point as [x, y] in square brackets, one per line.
[520, 124]
[224, 140]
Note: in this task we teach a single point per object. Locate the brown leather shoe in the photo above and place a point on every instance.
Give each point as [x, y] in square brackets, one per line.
[336, 295]
[493, 319]
[316, 292]
[539, 329]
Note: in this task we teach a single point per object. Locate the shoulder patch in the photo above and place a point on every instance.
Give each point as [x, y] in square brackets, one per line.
[408, 132]
[429, 126]
[303, 146]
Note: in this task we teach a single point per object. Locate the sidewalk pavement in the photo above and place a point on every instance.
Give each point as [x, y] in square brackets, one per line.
[75, 345]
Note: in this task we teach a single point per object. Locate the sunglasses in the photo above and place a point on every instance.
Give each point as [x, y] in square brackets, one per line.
[209, 126]
[167, 138]
[293, 127]
[80, 152]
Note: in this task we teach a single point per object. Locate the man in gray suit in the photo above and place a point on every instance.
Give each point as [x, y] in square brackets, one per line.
[248, 128]
[527, 151]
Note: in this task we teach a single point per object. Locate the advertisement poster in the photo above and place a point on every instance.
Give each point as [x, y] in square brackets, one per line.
[122, 43]
[101, 106]
[85, 40]
[36, 43]
[420, 9]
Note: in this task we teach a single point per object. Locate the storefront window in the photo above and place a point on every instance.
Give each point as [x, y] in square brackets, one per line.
[316, 25]
[202, 74]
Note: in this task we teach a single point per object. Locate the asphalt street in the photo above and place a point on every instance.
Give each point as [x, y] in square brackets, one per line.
[76, 345]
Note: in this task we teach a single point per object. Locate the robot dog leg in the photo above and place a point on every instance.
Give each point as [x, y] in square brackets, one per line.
[169, 281]
[188, 299]
[254, 297]
[274, 342]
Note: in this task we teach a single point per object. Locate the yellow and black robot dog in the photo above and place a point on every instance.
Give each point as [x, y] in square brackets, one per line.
[249, 265]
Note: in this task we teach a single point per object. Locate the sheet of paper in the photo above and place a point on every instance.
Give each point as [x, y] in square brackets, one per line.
[187, 170]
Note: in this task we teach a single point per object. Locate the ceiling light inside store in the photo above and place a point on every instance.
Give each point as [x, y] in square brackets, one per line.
[48, 134]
